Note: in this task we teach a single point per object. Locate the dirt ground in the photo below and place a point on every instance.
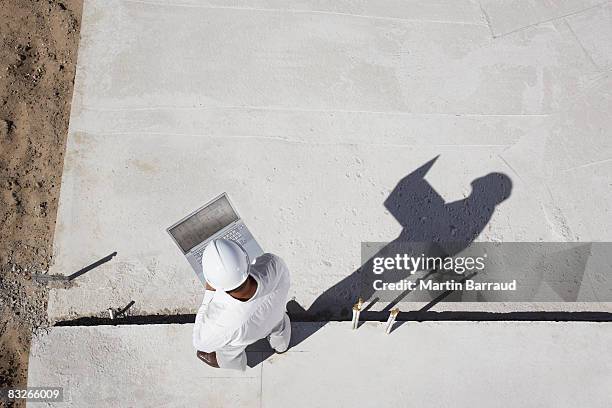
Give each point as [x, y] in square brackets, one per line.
[37, 66]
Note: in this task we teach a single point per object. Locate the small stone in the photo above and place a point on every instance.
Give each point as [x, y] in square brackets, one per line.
[5, 127]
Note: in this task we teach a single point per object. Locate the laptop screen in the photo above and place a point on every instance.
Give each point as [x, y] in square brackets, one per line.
[204, 223]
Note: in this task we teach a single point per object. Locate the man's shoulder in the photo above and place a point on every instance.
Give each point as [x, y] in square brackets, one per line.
[270, 271]
[269, 262]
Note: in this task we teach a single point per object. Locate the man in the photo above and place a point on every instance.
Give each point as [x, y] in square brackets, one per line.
[243, 303]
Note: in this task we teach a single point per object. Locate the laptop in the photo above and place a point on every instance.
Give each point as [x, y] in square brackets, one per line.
[216, 219]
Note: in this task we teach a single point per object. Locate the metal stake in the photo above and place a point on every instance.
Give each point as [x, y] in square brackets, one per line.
[356, 311]
[392, 316]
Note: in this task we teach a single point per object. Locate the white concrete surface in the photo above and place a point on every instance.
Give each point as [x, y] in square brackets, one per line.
[594, 31]
[509, 16]
[453, 364]
[308, 113]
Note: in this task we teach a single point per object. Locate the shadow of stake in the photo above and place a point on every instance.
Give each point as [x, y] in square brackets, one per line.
[63, 278]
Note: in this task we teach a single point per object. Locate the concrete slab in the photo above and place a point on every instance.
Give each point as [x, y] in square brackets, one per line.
[135, 366]
[510, 16]
[594, 31]
[459, 364]
[308, 114]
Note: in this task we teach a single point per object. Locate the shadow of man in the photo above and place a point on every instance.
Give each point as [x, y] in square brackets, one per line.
[430, 227]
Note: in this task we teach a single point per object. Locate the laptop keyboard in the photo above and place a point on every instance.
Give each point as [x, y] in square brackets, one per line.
[232, 235]
[199, 252]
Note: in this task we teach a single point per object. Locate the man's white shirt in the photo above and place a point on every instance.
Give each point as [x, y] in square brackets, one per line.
[223, 322]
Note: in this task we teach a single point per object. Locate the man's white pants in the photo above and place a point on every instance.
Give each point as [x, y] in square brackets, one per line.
[235, 357]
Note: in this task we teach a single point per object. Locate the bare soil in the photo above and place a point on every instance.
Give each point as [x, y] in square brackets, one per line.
[38, 52]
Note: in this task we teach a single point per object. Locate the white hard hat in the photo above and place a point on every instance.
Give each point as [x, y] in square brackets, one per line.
[225, 264]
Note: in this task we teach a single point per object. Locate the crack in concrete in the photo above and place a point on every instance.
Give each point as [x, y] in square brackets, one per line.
[296, 11]
[582, 166]
[303, 110]
[586, 53]
[559, 221]
[486, 17]
[510, 167]
[287, 140]
[551, 19]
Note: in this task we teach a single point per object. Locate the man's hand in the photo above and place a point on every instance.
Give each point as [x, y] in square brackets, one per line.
[208, 287]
